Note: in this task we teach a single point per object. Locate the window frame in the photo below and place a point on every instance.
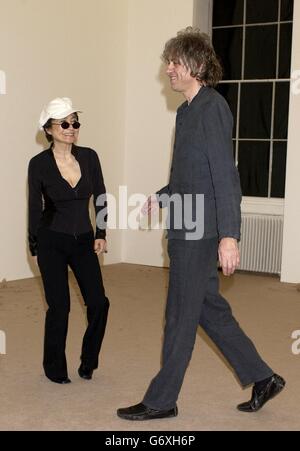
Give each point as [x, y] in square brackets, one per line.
[261, 205]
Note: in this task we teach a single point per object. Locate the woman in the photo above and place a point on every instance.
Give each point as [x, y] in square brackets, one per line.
[61, 181]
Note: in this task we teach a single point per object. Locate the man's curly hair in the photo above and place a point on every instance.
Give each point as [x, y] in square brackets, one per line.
[195, 51]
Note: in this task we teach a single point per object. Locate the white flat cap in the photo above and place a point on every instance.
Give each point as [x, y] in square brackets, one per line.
[58, 108]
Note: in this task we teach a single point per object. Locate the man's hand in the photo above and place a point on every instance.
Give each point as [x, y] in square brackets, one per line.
[229, 255]
[100, 247]
[150, 206]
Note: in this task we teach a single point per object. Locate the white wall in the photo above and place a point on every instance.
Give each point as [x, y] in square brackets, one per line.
[49, 49]
[203, 15]
[110, 66]
[151, 111]
[291, 240]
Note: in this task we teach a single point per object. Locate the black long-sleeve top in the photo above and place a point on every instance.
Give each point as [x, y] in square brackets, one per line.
[54, 204]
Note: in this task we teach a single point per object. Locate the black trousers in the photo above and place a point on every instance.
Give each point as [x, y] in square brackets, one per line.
[193, 300]
[57, 251]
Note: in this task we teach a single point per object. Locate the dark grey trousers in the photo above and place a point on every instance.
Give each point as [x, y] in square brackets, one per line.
[193, 300]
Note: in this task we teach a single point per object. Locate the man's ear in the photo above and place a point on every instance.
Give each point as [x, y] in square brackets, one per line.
[200, 71]
[201, 68]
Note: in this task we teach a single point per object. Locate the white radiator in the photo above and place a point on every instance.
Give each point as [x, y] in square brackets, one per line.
[261, 243]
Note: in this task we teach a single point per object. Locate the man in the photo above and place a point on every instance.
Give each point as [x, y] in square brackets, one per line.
[202, 164]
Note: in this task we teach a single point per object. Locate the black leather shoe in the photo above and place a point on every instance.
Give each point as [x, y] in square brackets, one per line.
[140, 412]
[60, 380]
[85, 372]
[259, 398]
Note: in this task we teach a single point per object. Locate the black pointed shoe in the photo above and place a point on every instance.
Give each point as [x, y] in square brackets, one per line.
[60, 380]
[85, 372]
[259, 398]
[140, 412]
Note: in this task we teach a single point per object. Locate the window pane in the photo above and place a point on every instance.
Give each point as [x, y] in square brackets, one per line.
[279, 169]
[254, 168]
[286, 32]
[230, 92]
[261, 11]
[281, 118]
[287, 9]
[228, 47]
[261, 62]
[230, 12]
[256, 110]
[234, 148]
[261, 51]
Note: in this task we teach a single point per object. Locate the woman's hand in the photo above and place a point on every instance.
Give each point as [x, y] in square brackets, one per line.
[100, 247]
[35, 260]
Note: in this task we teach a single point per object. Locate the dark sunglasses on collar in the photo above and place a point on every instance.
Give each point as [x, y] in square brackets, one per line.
[65, 125]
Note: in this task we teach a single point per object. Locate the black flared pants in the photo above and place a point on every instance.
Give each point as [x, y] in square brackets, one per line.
[57, 252]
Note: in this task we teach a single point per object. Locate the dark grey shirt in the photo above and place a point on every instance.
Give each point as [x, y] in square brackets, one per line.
[203, 164]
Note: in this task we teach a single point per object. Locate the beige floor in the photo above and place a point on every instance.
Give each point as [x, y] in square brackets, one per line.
[267, 310]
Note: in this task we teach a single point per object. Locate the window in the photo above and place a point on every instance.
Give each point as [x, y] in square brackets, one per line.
[253, 39]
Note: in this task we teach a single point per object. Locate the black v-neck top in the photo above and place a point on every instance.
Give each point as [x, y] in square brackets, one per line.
[54, 204]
